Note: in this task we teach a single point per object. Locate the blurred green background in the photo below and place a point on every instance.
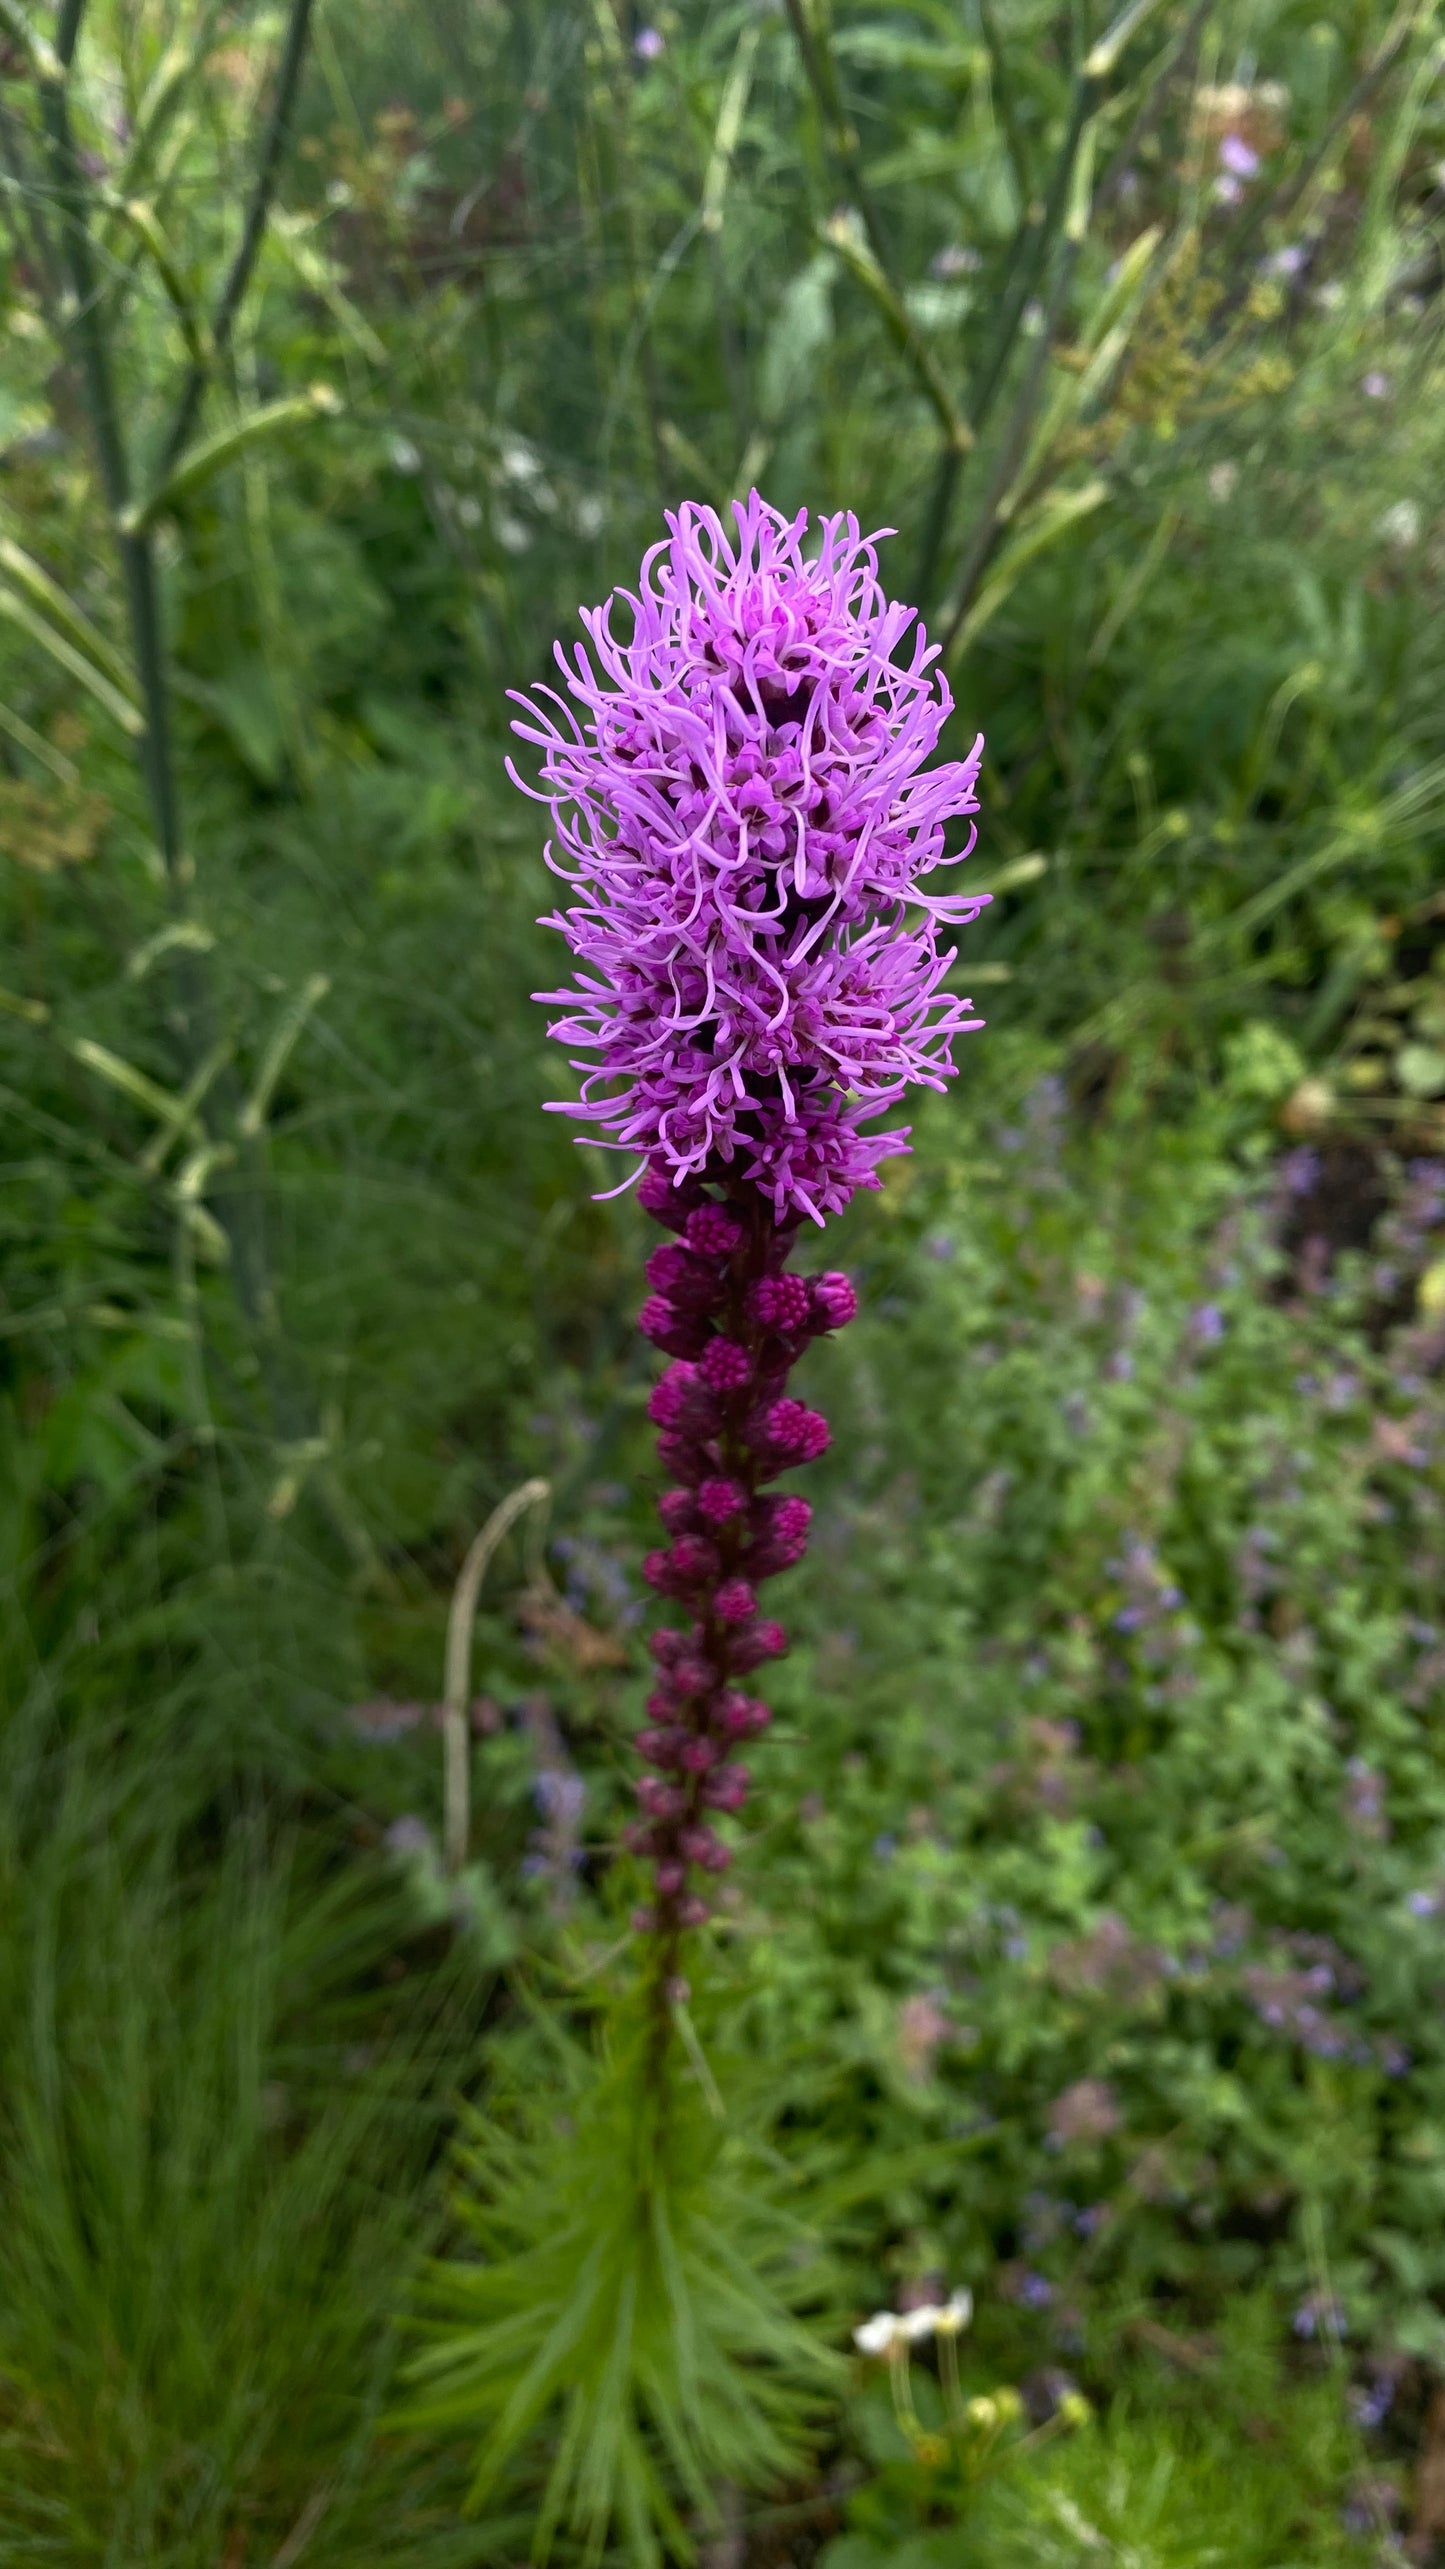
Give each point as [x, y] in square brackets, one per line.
[1099, 1867]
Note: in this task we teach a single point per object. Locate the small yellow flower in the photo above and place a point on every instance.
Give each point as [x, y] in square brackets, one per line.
[956, 2313]
[982, 2412]
[1010, 2406]
[1074, 2409]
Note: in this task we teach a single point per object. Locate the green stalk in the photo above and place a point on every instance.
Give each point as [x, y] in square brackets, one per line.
[821, 73]
[989, 521]
[263, 188]
[68, 30]
[137, 556]
[242, 1205]
[1004, 100]
[1089, 87]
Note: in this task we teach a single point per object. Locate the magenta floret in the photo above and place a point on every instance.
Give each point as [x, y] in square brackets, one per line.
[782, 1302]
[725, 1366]
[745, 820]
[835, 1300]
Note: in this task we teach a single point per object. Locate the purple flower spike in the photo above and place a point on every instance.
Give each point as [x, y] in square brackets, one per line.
[741, 815]
[745, 818]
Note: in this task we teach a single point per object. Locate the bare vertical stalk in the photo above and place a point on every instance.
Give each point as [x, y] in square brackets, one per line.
[457, 1792]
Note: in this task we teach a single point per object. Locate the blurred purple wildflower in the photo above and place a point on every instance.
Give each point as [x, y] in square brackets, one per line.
[740, 812]
[1086, 2113]
[1238, 157]
[649, 44]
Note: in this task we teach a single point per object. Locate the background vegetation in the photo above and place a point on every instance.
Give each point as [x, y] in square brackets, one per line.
[1094, 1910]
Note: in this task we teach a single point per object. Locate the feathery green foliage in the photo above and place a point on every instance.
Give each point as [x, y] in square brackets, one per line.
[642, 2306]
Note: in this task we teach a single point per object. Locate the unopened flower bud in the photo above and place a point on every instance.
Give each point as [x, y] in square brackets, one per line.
[718, 1499]
[781, 1302]
[754, 1643]
[693, 1912]
[835, 1300]
[740, 1716]
[699, 1755]
[669, 1400]
[712, 1231]
[678, 1333]
[661, 1747]
[725, 1366]
[794, 1432]
[686, 1281]
[660, 1801]
[678, 1511]
[666, 1202]
[670, 1876]
[734, 1601]
[727, 1790]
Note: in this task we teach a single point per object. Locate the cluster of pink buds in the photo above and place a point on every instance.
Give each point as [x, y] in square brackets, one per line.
[734, 1319]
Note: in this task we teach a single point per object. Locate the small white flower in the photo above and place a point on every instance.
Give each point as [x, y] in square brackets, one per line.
[917, 2324]
[1401, 524]
[469, 510]
[405, 457]
[1223, 481]
[590, 515]
[517, 462]
[878, 2335]
[956, 2313]
[511, 534]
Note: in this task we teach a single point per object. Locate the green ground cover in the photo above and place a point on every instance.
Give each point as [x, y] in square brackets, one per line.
[1086, 1944]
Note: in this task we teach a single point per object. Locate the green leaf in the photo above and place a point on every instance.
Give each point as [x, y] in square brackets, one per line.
[215, 455]
[18, 611]
[1037, 532]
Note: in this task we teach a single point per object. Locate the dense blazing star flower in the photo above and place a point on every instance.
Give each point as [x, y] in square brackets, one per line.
[744, 815]
[743, 812]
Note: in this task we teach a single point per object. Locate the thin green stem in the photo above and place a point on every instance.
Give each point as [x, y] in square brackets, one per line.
[821, 73]
[27, 217]
[988, 523]
[253, 228]
[137, 556]
[1034, 255]
[1003, 96]
[1178, 57]
[68, 30]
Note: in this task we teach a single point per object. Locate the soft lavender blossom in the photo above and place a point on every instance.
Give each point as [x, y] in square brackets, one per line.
[742, 813]
[1238, 157]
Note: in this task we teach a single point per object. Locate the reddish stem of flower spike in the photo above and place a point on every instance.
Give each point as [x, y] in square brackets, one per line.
[727, 1429]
